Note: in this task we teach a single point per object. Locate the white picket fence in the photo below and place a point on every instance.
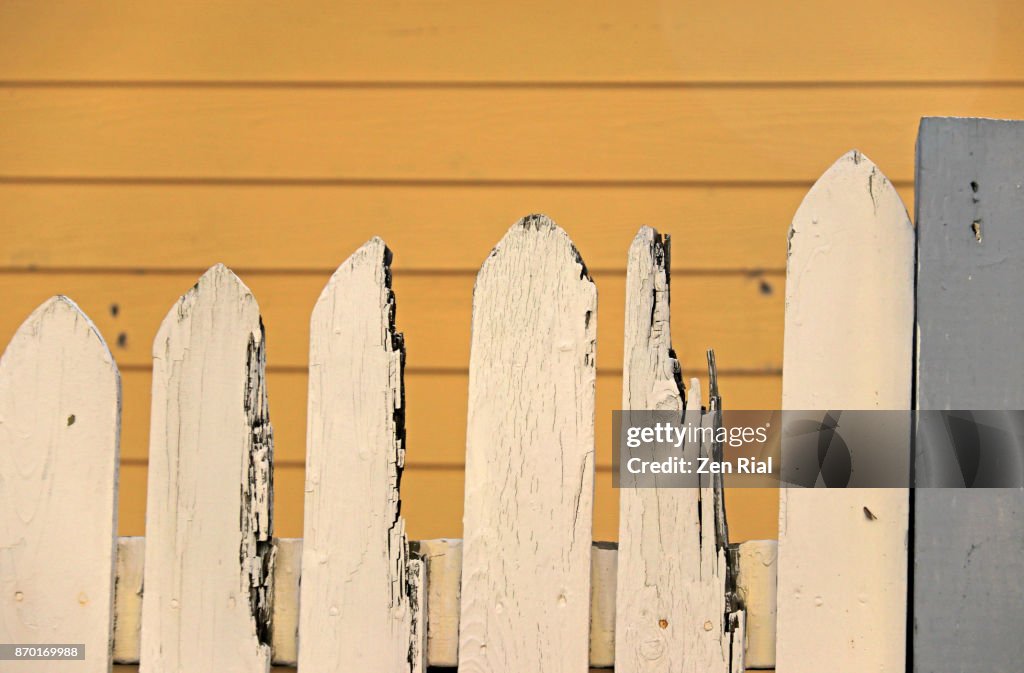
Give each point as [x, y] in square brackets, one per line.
[211, 589]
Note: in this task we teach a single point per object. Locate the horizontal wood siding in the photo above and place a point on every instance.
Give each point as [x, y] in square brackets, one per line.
[144, 143]
[628, 42]
[444, 135]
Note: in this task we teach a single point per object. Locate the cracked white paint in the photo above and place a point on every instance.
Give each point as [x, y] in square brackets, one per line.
[842, 575]
[529, 457]
[358, 602]
[60, 403]
[209, 556]
[671, 602]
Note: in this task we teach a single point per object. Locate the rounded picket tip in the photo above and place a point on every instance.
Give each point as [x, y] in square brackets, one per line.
[853, 183]
[538, 236]
[369, 266]
[57, 315]
[215, 285]
[220, 276]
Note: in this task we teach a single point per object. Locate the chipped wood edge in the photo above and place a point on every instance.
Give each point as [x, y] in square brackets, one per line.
[359, 597]
[443, 564]
[209, 388]
[529, 456]
[673, 612]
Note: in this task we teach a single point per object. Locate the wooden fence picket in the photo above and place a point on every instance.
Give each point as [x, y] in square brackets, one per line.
[360, 609]
[60, 404]
[969, 543]
[672, 609]
[529, 457]
[209, 552]
[842, 555]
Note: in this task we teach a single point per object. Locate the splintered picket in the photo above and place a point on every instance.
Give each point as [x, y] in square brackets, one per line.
[529, 457]
[671, 605]
[209, 553]
[359, 606]
[842, 572]
[60, 402]
[969, 543]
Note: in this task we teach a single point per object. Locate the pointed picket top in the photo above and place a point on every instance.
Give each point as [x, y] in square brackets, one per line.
[848, 345]
[851, 244]
[529, 457]
[209, 556]
[672, 607]
[359, 606]
[60, 404]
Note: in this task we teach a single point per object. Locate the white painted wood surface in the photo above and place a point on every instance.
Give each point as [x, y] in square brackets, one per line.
[755, 589]
[357, 602]
[209, 556]
[671, 605]
[444, 565]
[842, 575]
[128, 599]
[529, 457]
[60, 403]
[444, 578]
[284, 639]
[603, 569]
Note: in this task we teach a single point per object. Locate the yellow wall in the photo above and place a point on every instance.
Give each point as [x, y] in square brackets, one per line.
[141, 143]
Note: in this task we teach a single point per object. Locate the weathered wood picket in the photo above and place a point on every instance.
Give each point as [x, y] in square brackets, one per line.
[60, 405]
[848, 345]
[211, 589]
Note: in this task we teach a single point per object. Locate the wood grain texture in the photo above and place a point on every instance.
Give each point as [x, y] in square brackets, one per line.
[59, 414]
[671, 602]
[645, 41]
[183, 227]
[209, 558]
[443, 563]
[969, 544]
[434, 423]
[357, 596]
[594, 136]
[529, 457]
[842, 577]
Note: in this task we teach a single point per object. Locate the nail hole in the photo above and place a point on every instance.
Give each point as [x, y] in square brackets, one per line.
[663, 623]
[974, 186]
[765, 287]
[122, 339]
[114, 310]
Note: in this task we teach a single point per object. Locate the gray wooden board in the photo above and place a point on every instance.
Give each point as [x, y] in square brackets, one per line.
[969, 544]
